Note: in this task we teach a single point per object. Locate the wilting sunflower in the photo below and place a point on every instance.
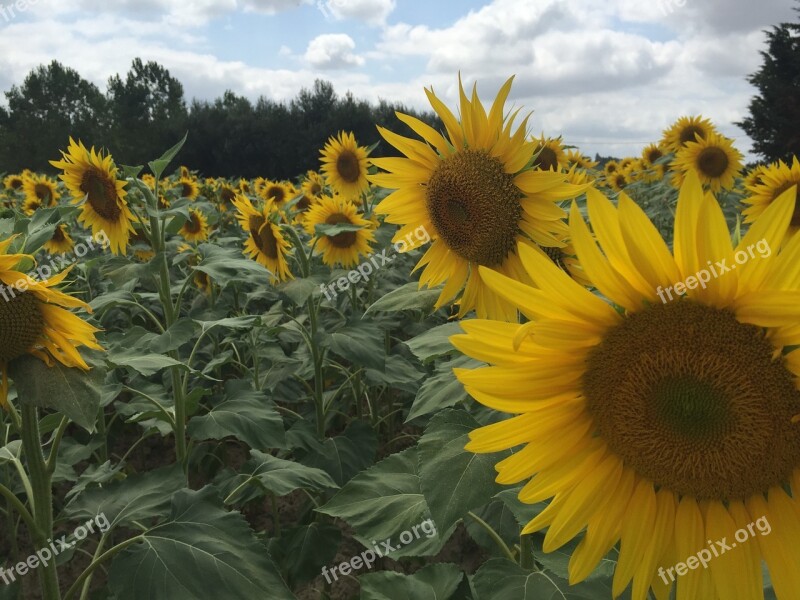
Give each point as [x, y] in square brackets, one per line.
[474, 196]
[187, 188]
[13, 182]
[550, 155]
[35, 321]
[346, 247]
[344, 164]
[266, 244]
[40, 192]
[61, 242]
[684, 130]
[775, 180]
[658, 424]
[92, 177]
[195, 229]
[713, 158]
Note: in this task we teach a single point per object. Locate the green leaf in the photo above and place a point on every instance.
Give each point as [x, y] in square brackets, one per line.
[158, 166]
[146, 364]
[225, 265]
[453, 480]
[246, 322]
[523, 513]
[383, 502]
[135, 498]
[407, 297]
[501, 579]
[433, 582]
[362, 344]
[246, 415]
[333, 229]
[434, 342]
[345, 455]
[442, 390]
[131, 171]
[301, 552]
[173, 338]
[72, 392]
[202, 551]
[298, 290]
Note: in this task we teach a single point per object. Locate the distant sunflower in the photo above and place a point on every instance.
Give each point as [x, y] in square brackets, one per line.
[313, 185]
[549, 154]
[774, 181]
[187, 188]
[34, 321]
[754, 176]
[202, 281]
[195, 229]
[612, 166]
[149, 180]
[40, 192]
[685, 130]
[245, 187]
[92, 177]
[346, 247]
[61, 242]
[649, 424]
[713, 158]
[13, 182]
[618, 181]
[576, 158]
[276, 192]
[185, 172]
[344, 164]
[475, 197]
[651, 154]
[266, 244]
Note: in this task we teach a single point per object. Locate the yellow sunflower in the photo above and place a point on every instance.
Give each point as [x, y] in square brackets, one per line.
[40, 192]
[651, 154]
[276, 192]
[618, 181]
[775, 180]
[713, 158]
[344, 165]
[34, 319]
[92, 177]
[13, 182]
[754, 176]
[576, 158]
[266, 244]
[195, 229]
[661, 421]
[549, 153]
[346, 247]
[313, 185]
[245, 187]
[474, 196]
[187, 188]
[61, 242]
[612, 166]
[684, 130]
[149, 180]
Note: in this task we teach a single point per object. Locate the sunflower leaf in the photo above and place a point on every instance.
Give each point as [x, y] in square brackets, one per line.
[333, 229]
[406, 297]
[433, 582]
[501, 579]
[158, 166]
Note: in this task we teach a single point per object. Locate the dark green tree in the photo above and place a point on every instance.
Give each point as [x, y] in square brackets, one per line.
[774, 121]
[53, 103]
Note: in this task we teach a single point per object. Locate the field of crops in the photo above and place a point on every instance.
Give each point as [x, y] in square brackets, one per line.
[486, 368]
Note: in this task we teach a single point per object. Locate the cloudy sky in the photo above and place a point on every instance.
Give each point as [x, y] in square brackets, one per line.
[608, 76]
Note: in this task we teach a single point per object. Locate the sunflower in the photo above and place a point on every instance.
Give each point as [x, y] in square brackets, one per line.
[195, 229]
[245, 187]
[575, 158]
[149, 180]
[684, 130]
[202, 281]
[13, 182]
[651, 154]
[618, 181]
[549, 154]
[775, 180]
[713, 158]
[276, 192]
[475, 197]
[266, 244]
[40, 192]
[344, 164]
[187, 188]
[343, 248]
[61, 242]
[612, 166]
[34, 320]
[656, 424]
[313, 185]
[92, 177]
[754, 176]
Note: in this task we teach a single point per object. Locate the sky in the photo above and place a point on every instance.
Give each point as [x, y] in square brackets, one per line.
[607, 76]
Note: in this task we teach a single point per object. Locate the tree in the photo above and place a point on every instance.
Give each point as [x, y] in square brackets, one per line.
[774, 121]
[53, 103]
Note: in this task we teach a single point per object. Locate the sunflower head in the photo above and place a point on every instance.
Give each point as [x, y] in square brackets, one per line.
[612, 166]
[770, 183]
[549, 154]
[40, 192]
[344, 165]
[61, 242]
[195, 229]
[576, 158]
[651, 154]
[187, 187]
[685, 130]
[313, 185]
[266, 243]
[346, 247]
[713, 158]
[13, 182]
[276, 193]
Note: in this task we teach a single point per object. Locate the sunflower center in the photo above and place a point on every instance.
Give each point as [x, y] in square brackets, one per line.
[346, 239]
[348, 166]
[556, 255]
[712, 162]
[474, 205]
[21, 323]
[277, 194]
[16, 184]
[692, 399]
[690, 134]
[193, 225]
[227, 195]
[547, 159]
[263, 236]
[186, 190]
[315, 189]
[42, 192]
[58, 235]
[303, 204]
[654, 154]
[101, 193]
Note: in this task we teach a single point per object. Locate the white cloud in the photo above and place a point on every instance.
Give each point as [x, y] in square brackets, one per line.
[333, 51]
[373, 12]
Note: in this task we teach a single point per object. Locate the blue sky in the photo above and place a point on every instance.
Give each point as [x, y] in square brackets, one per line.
[607, 76]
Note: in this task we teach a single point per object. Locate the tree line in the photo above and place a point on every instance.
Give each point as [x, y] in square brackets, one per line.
[144, 113]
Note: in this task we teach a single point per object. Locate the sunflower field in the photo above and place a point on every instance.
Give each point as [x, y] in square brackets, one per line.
[487, 368]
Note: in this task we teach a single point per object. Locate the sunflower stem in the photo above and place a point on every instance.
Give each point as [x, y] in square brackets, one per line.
[42, 500]
[526, 552]
[494, 535]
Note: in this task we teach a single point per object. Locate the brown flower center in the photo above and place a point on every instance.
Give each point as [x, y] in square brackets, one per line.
[346, 239]
[348, 166]
[712, 162]
[691, 133]
[547, 160]
[21, 323]
[265, 240]
[101, 194]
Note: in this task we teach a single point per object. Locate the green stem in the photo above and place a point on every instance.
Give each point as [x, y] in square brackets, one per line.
[494, 535]
[15, 503]
[62, 427]
[526, 552]
[73, 589]
[42, 500]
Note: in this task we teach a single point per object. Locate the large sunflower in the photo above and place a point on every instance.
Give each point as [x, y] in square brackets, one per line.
[92, 177]
[768, 185]
[195, 229]
[266, 244]
[713, 158]
[685, 130]
[346, 247]
[475, 195]
[40, 192]
[34, 321]
[344, 165]
[658, 424]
